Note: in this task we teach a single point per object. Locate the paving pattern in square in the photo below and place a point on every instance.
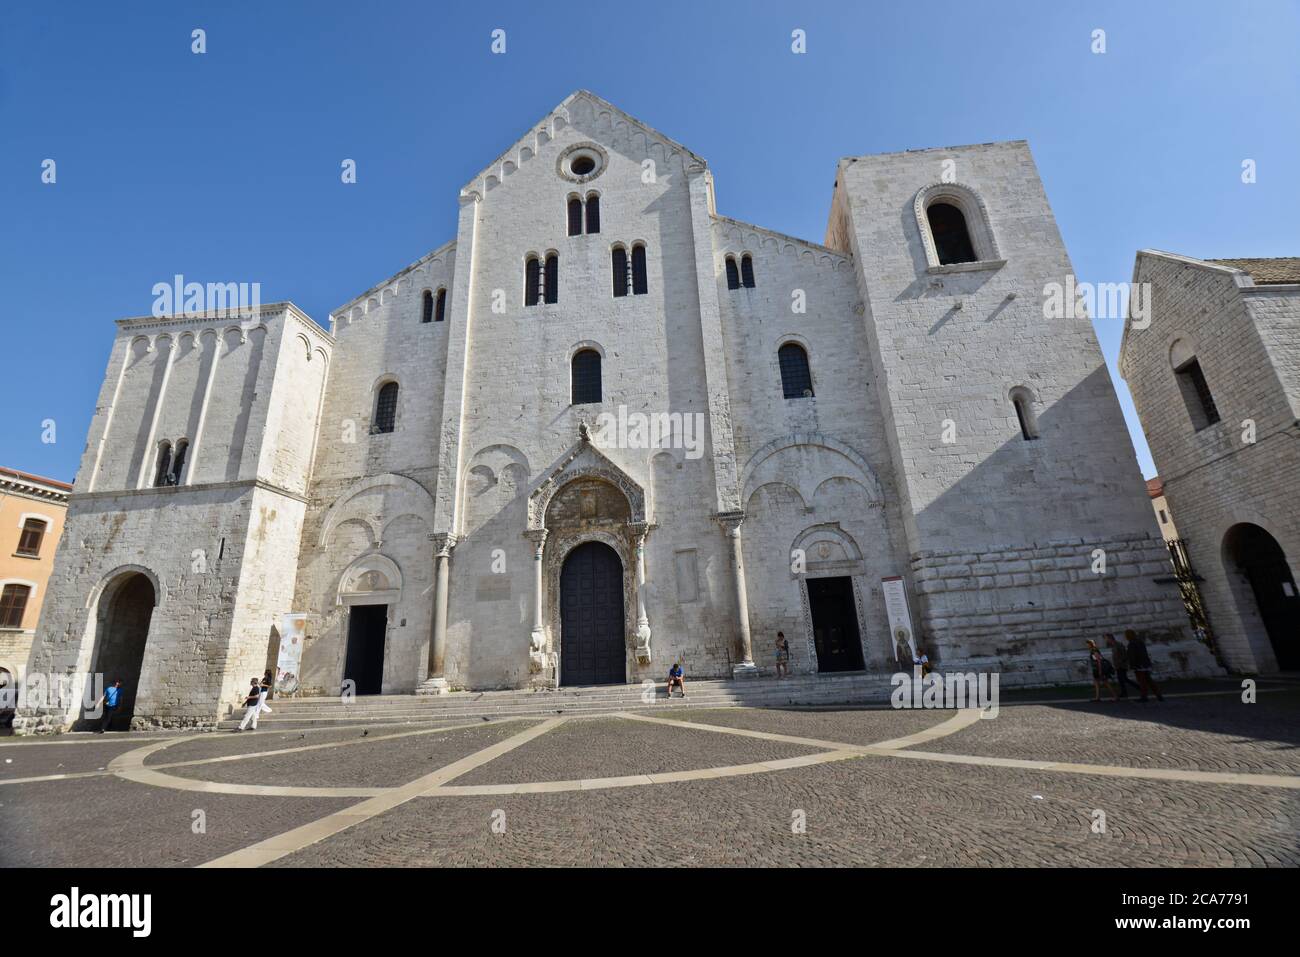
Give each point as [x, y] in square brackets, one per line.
[1196, 781]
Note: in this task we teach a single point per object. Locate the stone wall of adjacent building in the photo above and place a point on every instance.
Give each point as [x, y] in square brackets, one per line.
[1244, 338]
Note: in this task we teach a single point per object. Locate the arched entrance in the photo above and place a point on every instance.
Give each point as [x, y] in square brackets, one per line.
[1257, 556]
[592, 647]
[125, 610]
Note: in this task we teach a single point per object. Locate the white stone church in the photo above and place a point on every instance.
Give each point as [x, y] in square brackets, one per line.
[437, 484]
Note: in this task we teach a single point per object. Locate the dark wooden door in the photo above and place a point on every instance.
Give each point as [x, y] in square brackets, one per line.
[365, 656]
[592, 647]
[835, 624]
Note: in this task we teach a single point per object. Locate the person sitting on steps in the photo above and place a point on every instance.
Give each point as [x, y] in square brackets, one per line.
[675, 679]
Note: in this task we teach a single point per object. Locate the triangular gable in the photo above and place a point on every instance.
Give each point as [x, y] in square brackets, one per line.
[544, 132]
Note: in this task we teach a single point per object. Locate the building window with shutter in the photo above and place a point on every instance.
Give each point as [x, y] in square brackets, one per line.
[29, 541]
[13, 605]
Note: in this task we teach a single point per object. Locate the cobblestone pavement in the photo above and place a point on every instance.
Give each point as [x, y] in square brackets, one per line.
[611, 747]
[1205, 733]
[724, 787]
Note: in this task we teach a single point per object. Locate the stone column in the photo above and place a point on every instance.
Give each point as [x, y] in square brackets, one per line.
[537, 641]
[731, 522]
[436, 683]
[639, 533]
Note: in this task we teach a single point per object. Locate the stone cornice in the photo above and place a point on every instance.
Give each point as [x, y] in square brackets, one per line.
[726, 222]
[33, 490]
[379, 287]
[198, 319]
[166, 490]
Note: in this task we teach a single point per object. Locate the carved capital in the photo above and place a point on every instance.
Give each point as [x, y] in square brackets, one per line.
[730, 521]
[443, 543]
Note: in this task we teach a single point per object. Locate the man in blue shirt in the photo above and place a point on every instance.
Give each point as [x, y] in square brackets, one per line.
[109, 703]
[675, 679]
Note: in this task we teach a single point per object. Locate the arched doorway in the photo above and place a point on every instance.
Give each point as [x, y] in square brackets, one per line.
[592, 647]
[125, 610]
[1256, 555]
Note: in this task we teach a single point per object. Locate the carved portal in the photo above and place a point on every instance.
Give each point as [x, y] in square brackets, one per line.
[586, 498]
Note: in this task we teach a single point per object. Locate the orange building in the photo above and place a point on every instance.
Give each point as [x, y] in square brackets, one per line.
[31, 521]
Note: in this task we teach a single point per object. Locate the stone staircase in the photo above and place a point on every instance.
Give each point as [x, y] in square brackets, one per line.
[800, 690]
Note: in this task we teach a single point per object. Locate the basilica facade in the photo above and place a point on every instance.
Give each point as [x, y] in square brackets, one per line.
[604, 429]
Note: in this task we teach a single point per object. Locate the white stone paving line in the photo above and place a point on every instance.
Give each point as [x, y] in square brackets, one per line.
[281, 845]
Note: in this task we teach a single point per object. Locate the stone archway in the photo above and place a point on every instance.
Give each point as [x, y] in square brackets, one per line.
[586, 498]
[123, 616]
[1265, 586]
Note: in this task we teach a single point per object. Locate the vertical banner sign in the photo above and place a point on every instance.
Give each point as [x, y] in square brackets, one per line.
[293, 632]
[900, 618]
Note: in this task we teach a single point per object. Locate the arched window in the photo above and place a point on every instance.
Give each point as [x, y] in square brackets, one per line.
[440, 307]
[593, 213]
[426, 314]
[29, 542]
[13, 604]
[733, 274]
[532, 280]
[747, 271]
[586, 377]
[575, 216]
[1023, 401]
[552, 285]
[796, 378]
[1196, 394]
[952, 242]
[385, 409]
[164, 465]
[178, 462]
[618, 259]
[639, 285]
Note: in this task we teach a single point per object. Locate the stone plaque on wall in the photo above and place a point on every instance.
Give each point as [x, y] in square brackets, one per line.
[492, 588]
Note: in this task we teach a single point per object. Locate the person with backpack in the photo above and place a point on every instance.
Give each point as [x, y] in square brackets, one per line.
[1102, 670]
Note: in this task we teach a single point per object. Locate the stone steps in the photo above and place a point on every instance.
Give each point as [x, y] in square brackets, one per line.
[850, 690]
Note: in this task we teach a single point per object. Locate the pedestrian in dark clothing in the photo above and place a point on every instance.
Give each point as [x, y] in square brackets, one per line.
[1101, 672]
[267, 681]
[112, 698]
[1118, 658]
[1140, 662]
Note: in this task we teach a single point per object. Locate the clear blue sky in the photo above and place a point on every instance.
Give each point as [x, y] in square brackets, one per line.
[225, 166]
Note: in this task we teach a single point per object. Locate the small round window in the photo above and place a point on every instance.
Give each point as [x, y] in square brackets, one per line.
[582, 165]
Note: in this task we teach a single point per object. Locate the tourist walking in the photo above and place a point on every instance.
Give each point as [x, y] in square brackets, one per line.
[921, 660]
[1140, 661]
[252, 705]
[267, 681]
[1101, 672]
[782, 655]
[1119, 658]
[109, 703]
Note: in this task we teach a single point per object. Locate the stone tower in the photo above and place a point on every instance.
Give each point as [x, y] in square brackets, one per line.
[183, 525]
[1019, 490]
